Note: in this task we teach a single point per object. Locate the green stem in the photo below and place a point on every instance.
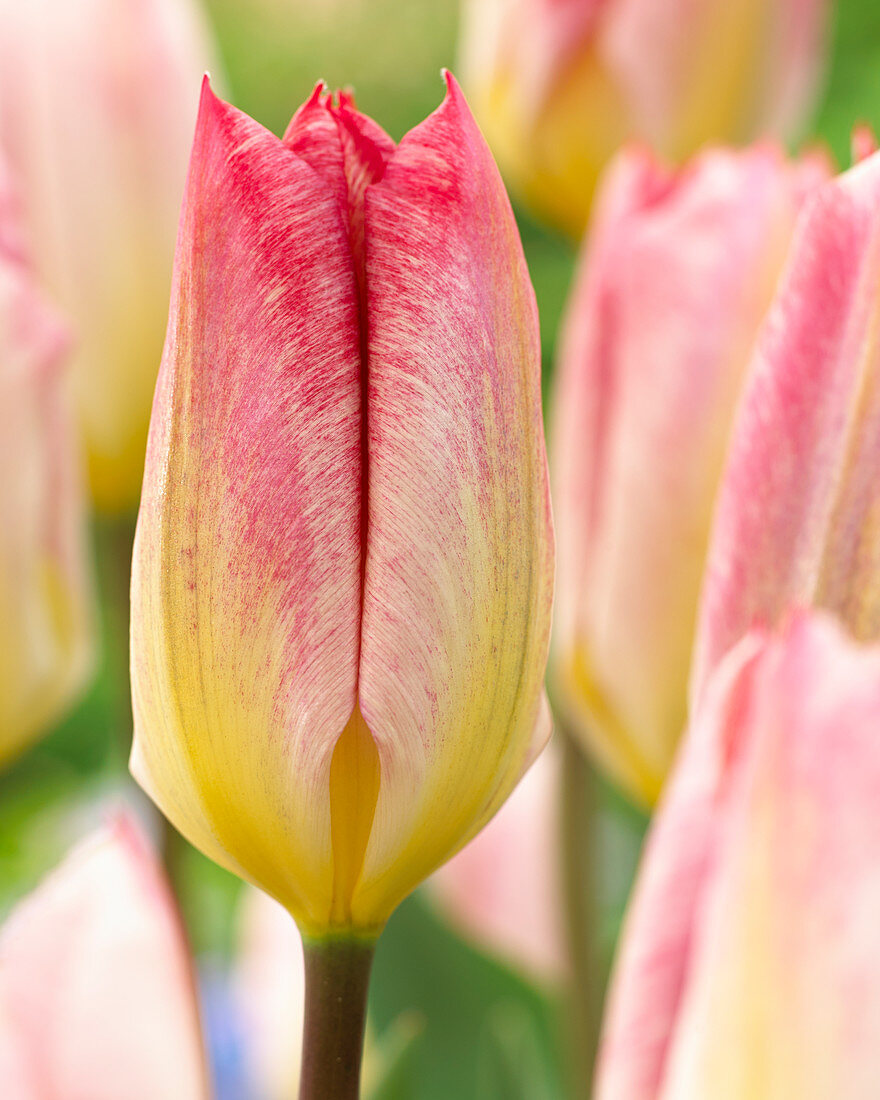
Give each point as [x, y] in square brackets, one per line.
[114, 539]
[578, 803]
[337, 979]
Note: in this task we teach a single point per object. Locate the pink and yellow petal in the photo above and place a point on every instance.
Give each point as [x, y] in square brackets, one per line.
[798, 516]
[459, 544]
[45, 595]
[246, 612]
[659, 333]
[784, 996]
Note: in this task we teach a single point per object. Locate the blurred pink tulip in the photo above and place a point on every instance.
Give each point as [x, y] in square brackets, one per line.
[45, 625]
[97, 108]
[749, 965]
[504, 889]
[270, 995]
[559, 85]
[675, 280]
[97, 1000]
[798, 515]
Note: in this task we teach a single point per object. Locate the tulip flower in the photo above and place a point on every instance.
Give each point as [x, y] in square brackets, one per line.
[44, 595]
[97, 103]
[343, 564]
[559, 85]
[674, 282]
[504, 890]
[748, 965]
[97, 1000]
[269, 987]
[798, 517]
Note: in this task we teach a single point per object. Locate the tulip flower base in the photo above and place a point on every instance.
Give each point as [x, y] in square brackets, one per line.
[337, 974]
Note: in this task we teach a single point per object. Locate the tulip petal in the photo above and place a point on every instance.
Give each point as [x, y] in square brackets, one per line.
[751, 970]
[785, 969]
[504, 889]
[97, 996]
[246, 613]
[652, 970]
[45, 623]
[459, 547]
[674, 283]
[97, 105]
[798, 515]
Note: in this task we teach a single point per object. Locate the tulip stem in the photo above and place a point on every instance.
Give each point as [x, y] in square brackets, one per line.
[337, 978]
[578, 825]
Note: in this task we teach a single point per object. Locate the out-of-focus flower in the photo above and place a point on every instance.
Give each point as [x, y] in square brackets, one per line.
[504, 889]
[97, 1000]
[660, 329]
[559, 85]
[749, 962]
[97, 104]
[45, 624]
[798, 516]
[269, 992]
[343, 565]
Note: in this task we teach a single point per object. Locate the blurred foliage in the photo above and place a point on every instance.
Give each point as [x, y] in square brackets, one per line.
[485, 1032]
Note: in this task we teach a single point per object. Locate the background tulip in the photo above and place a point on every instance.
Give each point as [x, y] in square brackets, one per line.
[44, 595]
[269, 990]
[798, 517]
[504, 889]
[749, 965]
[97, 103]
[559, 85]
[97, 1000]
[673, 285]
[343, 564]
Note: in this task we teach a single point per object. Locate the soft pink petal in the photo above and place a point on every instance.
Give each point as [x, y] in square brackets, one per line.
[673, 286]
[504, 888]
[784, 998]
[96, 991]
[459, 546]
[749, 965]
[798, 517]
[269, 993]
[97, 104]
[45, 621]
[246, 586]
[653, 965]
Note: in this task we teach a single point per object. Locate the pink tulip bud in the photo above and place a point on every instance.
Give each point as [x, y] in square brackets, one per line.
[45, 625]
[673, 286]
[798, 515]
[749, 962]
[344, 559]
[97, 106]
[504, 889]
[97, 1000]
[559, 85]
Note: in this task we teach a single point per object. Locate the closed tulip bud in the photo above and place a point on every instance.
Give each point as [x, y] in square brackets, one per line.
[45, 635]
[674, 283]
[559, 85]
[97, 103]
[343, 563]
[798, 518]
[97, 1000]
[748, 965]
